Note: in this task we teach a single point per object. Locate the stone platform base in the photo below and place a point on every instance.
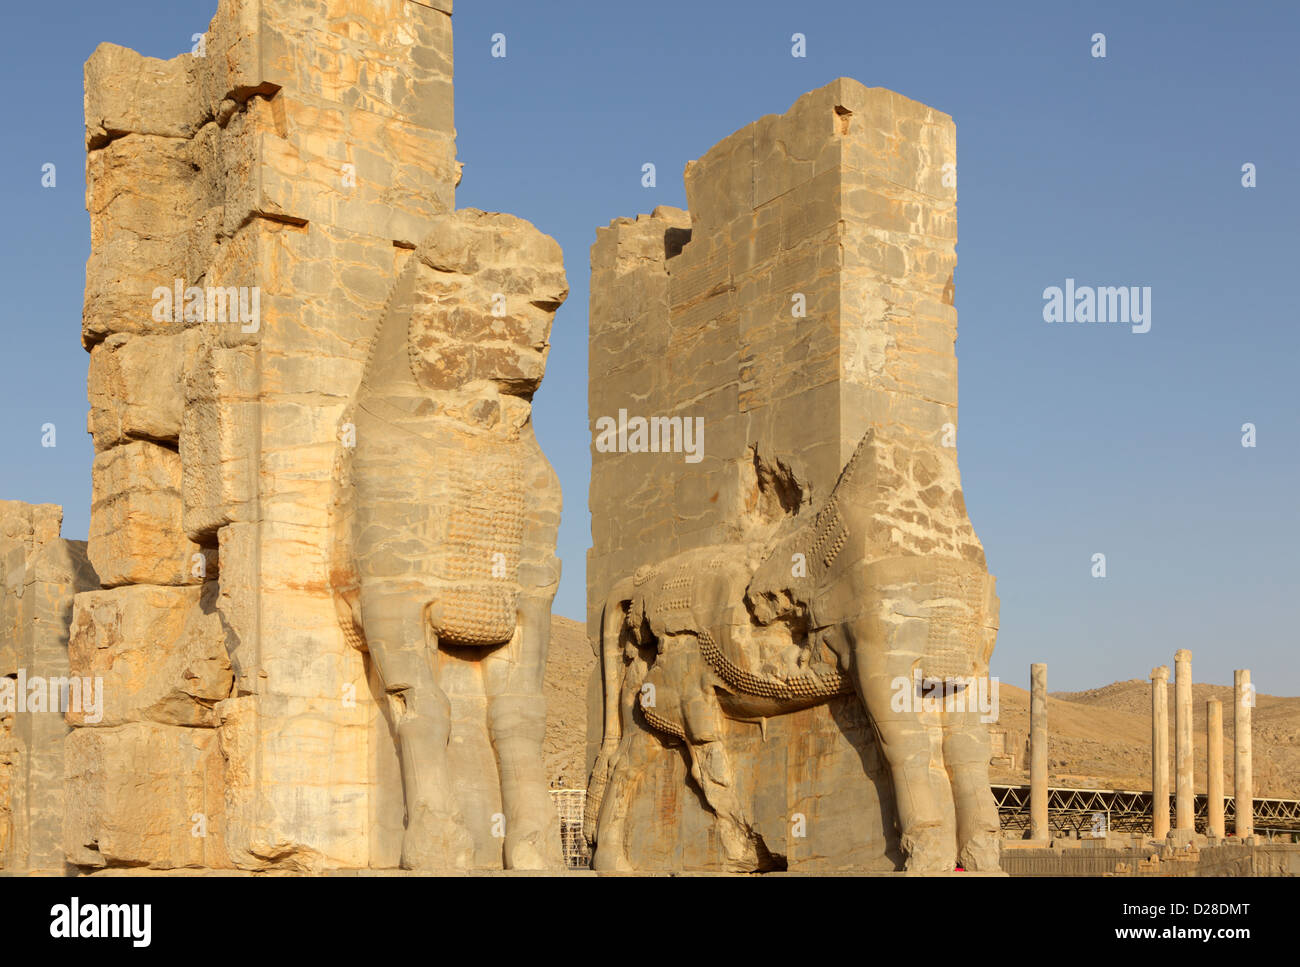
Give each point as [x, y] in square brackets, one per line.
[1152, 859]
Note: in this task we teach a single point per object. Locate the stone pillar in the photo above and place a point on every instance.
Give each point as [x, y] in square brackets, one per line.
[1038, 752]
[1214, 754]
[1160, 751]
[1184, 798]
[1243, 788]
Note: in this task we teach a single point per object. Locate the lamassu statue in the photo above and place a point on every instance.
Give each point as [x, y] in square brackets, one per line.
[828, 605]
[446, 523]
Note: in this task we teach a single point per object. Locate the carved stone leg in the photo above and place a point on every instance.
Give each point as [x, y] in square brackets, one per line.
[966, 754]
[619, 682]
[435, 837]
[711, 768]
[610, 854]
[517, 721]
[518, 724]
[925, 838]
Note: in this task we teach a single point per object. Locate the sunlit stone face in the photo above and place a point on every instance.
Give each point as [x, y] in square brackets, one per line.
[482, 317]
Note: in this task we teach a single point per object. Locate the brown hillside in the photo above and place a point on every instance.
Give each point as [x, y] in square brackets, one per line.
[1102, 737]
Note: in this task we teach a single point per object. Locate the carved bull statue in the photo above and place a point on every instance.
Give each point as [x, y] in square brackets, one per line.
[446, 522]
[827, 606]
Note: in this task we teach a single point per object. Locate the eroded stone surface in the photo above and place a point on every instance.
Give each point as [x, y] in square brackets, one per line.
[256, 209]
[41, 575]
[135, 518]
[135, 385]
[145, 794]
[447, 516]
[160, 653]
[801, 315]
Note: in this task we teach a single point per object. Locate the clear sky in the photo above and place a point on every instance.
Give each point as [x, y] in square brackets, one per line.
[1075, 439]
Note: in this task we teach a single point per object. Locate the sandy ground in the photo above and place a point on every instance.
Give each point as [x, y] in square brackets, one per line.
[1099, 738]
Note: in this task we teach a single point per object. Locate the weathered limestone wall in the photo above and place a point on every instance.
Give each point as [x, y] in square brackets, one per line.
[302, 157]
[41, 574]
[865, 229]
[806, 298]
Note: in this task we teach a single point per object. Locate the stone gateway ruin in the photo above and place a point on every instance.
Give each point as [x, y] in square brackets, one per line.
[776, 610]
[309, 627]
[323, 534]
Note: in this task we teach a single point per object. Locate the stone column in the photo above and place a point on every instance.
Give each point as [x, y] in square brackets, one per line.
[1038, 752]
[1160, 751]
[1243, 788]
[1214, 754]
[1184, 798]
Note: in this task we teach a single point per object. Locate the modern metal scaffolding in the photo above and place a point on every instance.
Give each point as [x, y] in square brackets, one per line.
[1127, 811]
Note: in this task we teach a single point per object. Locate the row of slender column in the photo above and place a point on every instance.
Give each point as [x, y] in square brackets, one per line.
[1184, 793]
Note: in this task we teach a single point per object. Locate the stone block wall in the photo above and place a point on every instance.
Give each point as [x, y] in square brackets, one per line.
[806, 298]
[251, 205]
[41, 573]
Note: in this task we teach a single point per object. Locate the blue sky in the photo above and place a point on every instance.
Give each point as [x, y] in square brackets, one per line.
[1075, 440]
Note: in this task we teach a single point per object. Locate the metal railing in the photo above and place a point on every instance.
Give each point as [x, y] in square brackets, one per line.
[1129, 811]
[571, 804]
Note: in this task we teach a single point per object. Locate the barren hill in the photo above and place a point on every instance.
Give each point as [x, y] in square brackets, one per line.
[1102, 737]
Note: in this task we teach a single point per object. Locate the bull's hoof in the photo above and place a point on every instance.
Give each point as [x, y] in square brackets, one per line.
[929, 849]
[740, 854]
[436, 841]
[609, 858]
[532, 852]
[982, 853]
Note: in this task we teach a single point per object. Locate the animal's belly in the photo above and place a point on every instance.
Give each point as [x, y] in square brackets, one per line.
[739, 705]
[444, 508]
